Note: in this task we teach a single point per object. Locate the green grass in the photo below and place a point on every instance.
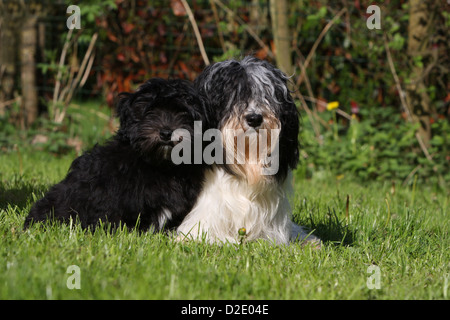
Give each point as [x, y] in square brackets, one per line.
[408, 242]
[404, 233]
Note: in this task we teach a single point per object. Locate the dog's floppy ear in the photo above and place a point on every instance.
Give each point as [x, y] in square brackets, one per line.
[199, 109]
[131, 106]
[290, 120]
[289, 143]
[192, 99]
[123, 109]
[290, 126]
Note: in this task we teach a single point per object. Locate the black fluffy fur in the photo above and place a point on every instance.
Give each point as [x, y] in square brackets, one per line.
[131, 180]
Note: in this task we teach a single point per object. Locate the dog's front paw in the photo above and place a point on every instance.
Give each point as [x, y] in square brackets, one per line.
[298, 233]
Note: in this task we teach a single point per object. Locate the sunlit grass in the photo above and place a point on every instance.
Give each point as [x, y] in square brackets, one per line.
[403, 231]
[409, 244]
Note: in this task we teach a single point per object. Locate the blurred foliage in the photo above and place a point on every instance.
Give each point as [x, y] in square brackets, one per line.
[139, 39]
[351, 67]
[381, 147]
[89, 123]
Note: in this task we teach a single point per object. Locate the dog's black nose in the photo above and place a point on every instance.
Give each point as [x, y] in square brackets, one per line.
[165, 134]
[254, 119]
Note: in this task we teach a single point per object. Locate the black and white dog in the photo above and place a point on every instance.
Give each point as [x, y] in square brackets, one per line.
[131, 180]
[249, 192]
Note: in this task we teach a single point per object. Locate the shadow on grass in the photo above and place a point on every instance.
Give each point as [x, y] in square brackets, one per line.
[20, 193]
[328, 227]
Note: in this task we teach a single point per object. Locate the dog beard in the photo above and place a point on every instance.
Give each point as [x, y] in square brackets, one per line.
[250, 153]
[166, 152]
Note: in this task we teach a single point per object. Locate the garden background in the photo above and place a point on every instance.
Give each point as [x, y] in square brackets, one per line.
[391, 84]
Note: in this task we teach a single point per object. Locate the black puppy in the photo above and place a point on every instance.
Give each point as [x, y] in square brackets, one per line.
[132, 179]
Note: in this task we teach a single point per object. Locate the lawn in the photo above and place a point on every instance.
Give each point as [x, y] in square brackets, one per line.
[386, 243]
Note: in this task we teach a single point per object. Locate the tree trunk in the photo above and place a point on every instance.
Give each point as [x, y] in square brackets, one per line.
[7, 60]
[416, 90]
[281, 35]
[28, 70]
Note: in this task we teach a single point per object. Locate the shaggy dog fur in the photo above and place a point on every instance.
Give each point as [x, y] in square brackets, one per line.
[250, 101]
[131, 179]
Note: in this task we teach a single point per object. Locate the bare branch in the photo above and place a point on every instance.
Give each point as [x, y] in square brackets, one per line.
[196, 31]
[317, 42]
[246, 27]
[401, 93]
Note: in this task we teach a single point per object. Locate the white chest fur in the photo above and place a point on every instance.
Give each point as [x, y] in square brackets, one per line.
[228, 203]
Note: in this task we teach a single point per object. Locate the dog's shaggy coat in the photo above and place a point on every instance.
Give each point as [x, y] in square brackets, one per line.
[131, 179]
[248, 97]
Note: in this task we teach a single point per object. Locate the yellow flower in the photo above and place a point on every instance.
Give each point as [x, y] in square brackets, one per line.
[332, 105]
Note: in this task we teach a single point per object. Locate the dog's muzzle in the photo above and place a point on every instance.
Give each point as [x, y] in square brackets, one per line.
[254, 120]
[165, 134]
[168, 139]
